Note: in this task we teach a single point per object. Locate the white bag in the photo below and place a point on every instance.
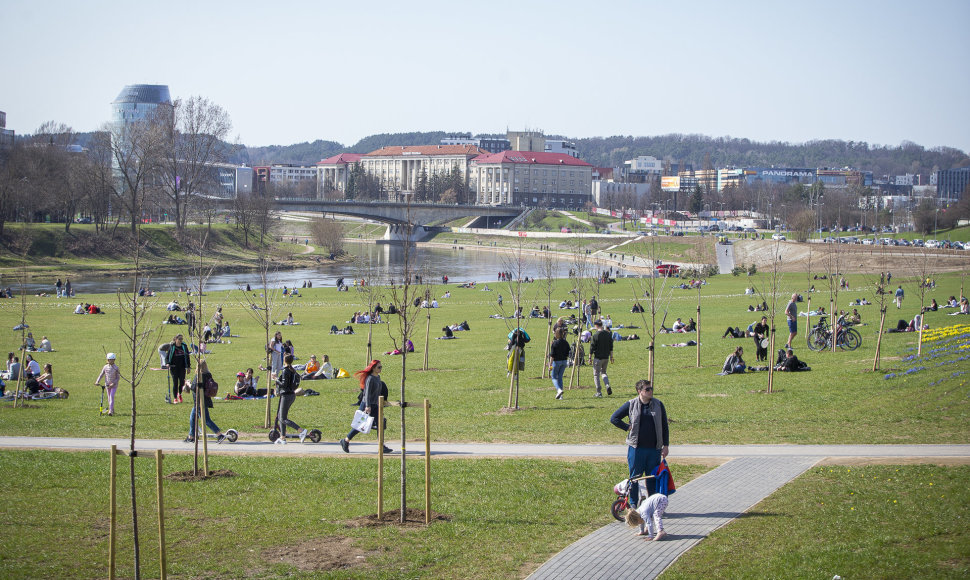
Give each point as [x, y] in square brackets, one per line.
[362, 421]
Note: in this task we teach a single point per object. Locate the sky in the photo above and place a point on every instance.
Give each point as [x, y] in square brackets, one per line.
[881, 71]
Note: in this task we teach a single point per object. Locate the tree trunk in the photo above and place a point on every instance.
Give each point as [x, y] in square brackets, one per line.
[404, 473]
[882, 326]
[545, 355]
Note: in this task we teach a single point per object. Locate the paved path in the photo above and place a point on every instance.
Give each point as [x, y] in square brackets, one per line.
[725, 257]
[698, 507]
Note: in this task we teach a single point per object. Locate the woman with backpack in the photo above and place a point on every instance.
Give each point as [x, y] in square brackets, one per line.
[287, 384]
[203, 381]
[179, 362]
[373, 388]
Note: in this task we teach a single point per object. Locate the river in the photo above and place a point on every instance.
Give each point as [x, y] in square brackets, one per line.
[384, 261]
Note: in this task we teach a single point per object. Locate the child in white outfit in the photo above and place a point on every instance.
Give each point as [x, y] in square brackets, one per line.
[649, 516]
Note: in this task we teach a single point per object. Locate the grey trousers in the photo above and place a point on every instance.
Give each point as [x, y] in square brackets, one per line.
[599, 368]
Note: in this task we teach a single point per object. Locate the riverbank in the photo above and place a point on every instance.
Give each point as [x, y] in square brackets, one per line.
[85, 253]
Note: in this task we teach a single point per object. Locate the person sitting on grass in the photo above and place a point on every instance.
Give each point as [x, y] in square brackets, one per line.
[449, 334]
[734, 363]
[45, 345]
[790, 362]
[315, 371]
[80, 309]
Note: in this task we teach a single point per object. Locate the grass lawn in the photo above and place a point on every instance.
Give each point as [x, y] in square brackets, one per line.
[873, 521]
[840, 400]
[299, 517]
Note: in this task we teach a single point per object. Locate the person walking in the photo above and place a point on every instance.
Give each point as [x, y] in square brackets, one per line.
[600, 355]
[179, 361]
[199, 382]
[648, 435]
[899, 296]
[58, 286]
[373, 389]
[791, 312]
[286, 387]
[559, 353]
[112, 376]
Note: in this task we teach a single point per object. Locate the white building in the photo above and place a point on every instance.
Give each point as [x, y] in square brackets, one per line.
[645, 164]
[560, 146]
[291, 174]
[531, 178]
[399, 167]
[332, 173]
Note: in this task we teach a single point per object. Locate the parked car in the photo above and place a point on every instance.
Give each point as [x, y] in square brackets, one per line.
[867, 242]
[778, 237]
[750, 230]
[902, 242]
[932, 244]
[918, 243]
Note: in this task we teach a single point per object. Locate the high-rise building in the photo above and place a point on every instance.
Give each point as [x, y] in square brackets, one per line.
[138, 102]
[6, 135]
[951, 183]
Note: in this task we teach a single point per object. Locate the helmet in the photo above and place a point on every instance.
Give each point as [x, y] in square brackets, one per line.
[240, 375]
[111, 356]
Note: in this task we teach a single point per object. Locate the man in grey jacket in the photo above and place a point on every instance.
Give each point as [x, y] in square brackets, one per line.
[648, 436]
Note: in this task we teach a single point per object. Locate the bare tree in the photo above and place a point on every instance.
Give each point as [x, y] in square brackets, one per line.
[402, 296]
[140, 336]
[924, 275]
[99, 179]
[833, 263]
[194, 132]
[370, 290]
[581, 277]
[329, 234]
[21, 246]
[658, 293]
[775, 278]
[548, 268]
[881, 297]
[136, 150]
[263, 310]
[516, 264]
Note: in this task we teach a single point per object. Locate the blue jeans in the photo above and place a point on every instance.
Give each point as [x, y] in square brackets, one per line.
[642, 461]
[208, 420]
[558, 369]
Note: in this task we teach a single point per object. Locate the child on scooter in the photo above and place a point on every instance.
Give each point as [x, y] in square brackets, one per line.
[111, 376]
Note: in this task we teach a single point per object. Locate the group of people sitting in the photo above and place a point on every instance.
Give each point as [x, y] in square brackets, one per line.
[763, 307]
[680, 326]
[345, 330]
[786, 362]
[35, 379]
[536, 313]
[365, 318]
[83, 308]
[449, 331]
[30, 345]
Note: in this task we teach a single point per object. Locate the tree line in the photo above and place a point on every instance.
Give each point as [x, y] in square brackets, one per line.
[151, 169]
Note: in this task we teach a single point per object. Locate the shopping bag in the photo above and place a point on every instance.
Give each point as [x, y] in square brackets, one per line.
[362, 421]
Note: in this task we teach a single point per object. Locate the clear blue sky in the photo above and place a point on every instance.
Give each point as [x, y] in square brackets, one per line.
[286, 72]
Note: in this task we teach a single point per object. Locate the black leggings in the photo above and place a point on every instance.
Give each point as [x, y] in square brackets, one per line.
[178, 379]
[285, 402]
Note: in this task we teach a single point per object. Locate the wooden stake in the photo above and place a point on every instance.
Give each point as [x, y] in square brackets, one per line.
[882, 326]
[427, 462]
[199, 422]
[161, 515]
[112, 513]
[380, 457]
[698, 325]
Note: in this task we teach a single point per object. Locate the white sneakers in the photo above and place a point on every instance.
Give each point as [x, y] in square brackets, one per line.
[280, 441]
[303, 435]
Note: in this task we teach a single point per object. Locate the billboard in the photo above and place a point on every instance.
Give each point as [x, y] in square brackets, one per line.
[670, 183]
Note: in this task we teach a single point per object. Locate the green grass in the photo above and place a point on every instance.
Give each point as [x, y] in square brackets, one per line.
[872, 521]
[839, 400]
[505, 516]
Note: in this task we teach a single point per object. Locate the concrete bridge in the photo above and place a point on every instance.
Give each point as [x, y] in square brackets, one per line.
[398, 214]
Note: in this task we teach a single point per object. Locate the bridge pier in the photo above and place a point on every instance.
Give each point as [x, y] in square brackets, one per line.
[397, 233]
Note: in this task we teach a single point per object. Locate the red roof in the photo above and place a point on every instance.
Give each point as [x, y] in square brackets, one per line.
[341, 158]
[399, 150]
[532, 157]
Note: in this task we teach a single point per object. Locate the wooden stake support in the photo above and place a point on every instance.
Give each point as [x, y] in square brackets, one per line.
[113, 510]
[426, 405]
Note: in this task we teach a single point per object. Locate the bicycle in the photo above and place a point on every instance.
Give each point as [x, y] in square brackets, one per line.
[619, 507]
[846, 338]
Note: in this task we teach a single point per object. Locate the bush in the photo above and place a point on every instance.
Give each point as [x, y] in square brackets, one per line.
[738, 270]
[752, 270]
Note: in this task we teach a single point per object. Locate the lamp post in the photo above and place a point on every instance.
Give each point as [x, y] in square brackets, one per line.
[936, 217]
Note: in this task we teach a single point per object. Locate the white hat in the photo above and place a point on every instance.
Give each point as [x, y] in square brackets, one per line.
[111, 356]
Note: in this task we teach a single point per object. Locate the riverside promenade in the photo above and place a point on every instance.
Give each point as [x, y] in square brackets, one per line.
[749, 474]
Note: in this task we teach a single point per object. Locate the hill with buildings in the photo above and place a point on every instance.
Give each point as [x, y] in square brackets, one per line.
[697, 150]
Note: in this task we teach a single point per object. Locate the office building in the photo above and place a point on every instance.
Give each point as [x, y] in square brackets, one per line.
[952, 183]
[531, 178]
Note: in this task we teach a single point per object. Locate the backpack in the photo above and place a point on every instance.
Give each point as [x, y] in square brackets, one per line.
[211, 387]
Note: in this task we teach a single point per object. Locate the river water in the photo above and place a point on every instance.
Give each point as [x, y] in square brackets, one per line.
[384, 262]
